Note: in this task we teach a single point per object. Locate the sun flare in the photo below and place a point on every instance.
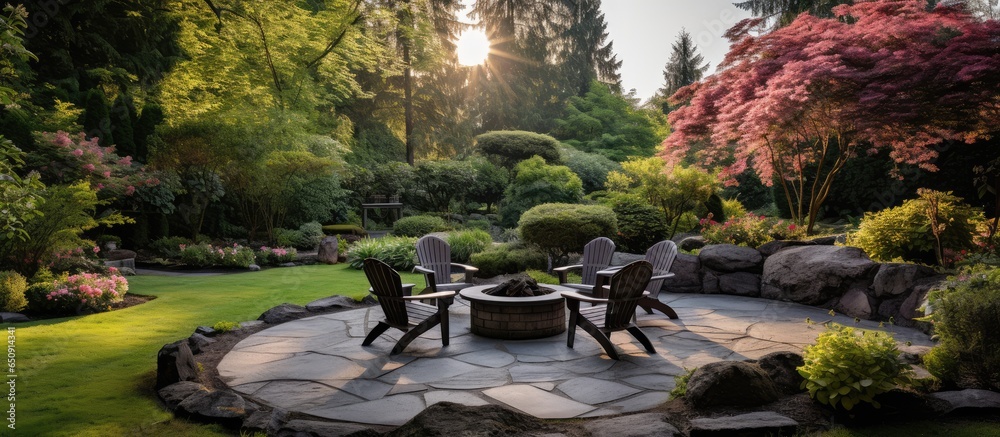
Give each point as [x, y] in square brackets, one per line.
[473, 47]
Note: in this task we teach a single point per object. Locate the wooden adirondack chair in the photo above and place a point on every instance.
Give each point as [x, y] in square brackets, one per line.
[435, 263]
[402, 311]
[596, 257]
[661, 255]
[616, 313]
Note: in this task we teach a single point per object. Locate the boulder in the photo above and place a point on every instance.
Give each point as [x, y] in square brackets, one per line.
[730, 258]
[782, 368]
[267, 422]
[894, 279]
[772, 247]
[969, 398]
[687, 275]
[254, 268]
[197, 341]
[710, 281]
[855, 303]
[447, 418]
[761, 423]
[220, 406]
[327, 253]
[173, 394]
[175, 363]
[915, 304]
[635, 425]
[889, 309]
[13, 318]
[306, 428]
[622, 258]
[815, 275]
[692, 243]
[740, 284]
[913, 354]
[207, 331]
[731, 383]
[332, 303]
[283, 313]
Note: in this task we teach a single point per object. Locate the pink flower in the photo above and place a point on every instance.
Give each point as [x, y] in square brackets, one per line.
[107, 174]
[77, 153]
[129, 190]
[100, 186]
[97, 249]
[89, 167]
[125, 162]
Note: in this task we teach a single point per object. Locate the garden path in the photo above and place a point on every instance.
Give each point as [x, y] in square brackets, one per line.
[317, 365]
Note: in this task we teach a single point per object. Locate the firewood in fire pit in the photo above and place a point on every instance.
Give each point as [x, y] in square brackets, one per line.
[521, 287]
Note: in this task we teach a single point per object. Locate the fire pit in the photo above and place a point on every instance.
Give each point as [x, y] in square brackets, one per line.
[520, 316]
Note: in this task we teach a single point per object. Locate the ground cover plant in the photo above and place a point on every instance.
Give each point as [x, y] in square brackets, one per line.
[93, 375]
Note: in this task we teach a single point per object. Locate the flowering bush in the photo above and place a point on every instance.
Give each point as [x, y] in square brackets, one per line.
[111, 175]
[749, 230]
[75, 294]
[268, 256]
[207, 255]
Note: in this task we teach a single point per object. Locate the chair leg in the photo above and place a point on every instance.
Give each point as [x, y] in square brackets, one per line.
[442, 305]
[412, 334]
[601, 338]
[376, 331]
[574, 317]
[649, 304]
[639, 335]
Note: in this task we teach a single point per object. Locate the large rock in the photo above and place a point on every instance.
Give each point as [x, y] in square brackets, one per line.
[730, 383]
[196, 341]
[332, 303]
[285, 312]
[740, 284]
[894, 279]
[175, 363]
[447, 419]
[267, 422]
[969, 398]
[782, 368]
[175, 393]
[772, 247]
[622, 258]
[327, 253]
[855, 303]
[687, 275]
[761, 423]
[815, 275]
[730, 258]
[915, 304]
[635, 425]
[691, 243]
[13, 318]
[710, 281]
[308, 428]
[220, 406]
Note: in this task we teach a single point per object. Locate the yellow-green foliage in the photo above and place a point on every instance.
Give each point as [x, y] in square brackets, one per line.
[466, 243]
[224, 326]
[542, 277]
[733, 208]
[905, 231]
[845, 368]
[966, 320]
[681, 190]
[12, 287]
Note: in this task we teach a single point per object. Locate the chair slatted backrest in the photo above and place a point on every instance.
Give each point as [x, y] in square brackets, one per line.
[627, 286]
[661, 256]
[435, 254]
[596, 257]
[388, 287]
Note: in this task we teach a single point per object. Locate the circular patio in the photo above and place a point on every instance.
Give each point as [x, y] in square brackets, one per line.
[318, 367]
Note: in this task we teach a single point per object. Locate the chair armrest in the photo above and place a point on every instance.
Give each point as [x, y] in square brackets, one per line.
[438, 295]
[663, 276]
[609, 271]
[424, 270]
[579, 297]
[467, 268]
[561, 271]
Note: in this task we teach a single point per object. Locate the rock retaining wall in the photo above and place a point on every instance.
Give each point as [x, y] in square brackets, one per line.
[813, 273]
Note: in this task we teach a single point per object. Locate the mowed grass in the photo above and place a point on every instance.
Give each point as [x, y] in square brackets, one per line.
[93, 375]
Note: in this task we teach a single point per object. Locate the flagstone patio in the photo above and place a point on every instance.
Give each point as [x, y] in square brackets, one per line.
[317, 365]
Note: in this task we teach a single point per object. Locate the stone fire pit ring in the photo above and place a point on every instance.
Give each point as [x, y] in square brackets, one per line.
[516, 318]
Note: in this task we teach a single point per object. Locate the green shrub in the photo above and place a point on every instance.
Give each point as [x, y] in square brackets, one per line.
[418, 225]
[505, 259]
[272, 256]
[399, 253]
[312, 235]
[466, 243]
[905, 231]
[733, 208]
[82, 293]
[542, 277]
[479, 224]
[536, 183]
[223, 327]
[169, 247]
[12, 288]
[592, 168]
[437, 183]
[560, 228]
[681, 383]
[640, 225]
[845, 369]
[507, 148]
[749, 230]
[344, 229]
[966, 320]
[287, 237]
[207, 255]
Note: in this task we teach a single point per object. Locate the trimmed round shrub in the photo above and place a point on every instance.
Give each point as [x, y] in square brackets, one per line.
[507, 148]
[966, 319]
[559, 229]
[640, 225]
[905, 231]
[312, 235]
[592, 168]
[399, 253]
[418, 225]
[846, 368]
[506, 259]
[536, 183]
[466, 243]
[12, 288]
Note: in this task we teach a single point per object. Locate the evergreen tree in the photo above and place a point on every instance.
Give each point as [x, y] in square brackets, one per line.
[586, 55]
[782, 12]
[152, 115]
[96, 117]
[686, 66]
[121, 126]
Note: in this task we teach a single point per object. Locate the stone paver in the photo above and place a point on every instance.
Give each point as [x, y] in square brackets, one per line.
[317, 365]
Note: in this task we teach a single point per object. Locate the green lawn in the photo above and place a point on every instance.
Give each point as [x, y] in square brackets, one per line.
[93, 375]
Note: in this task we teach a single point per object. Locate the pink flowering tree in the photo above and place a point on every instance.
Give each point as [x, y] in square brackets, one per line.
[798, 103]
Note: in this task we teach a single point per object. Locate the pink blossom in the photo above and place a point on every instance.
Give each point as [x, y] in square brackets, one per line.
[100, 186]
[125, 162]
[96, 249]
[129, 190]
[89, 167]
[77, 153]
[107, 174]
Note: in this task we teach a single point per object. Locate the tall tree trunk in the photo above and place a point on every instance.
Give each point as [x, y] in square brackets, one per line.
[408, 102]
